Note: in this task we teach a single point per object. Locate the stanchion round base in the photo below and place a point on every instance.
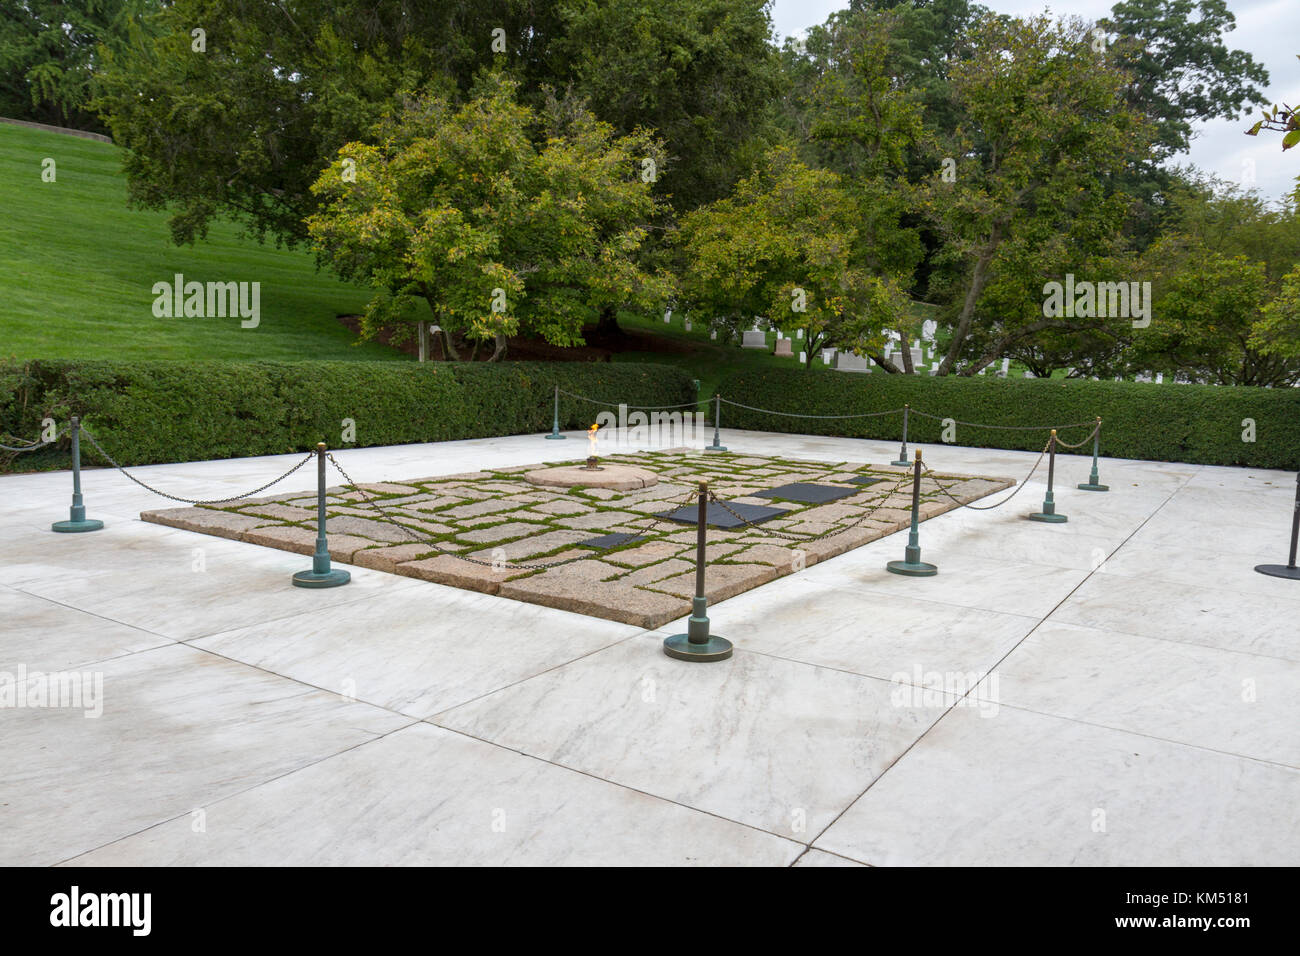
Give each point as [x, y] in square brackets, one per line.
[1051, 519]
[555, 436]
[330, 579]
[915, 569]
[1092, 487]
[1279, 571]
[89, 524]
[680, 648]
[715, 447]
[902, 464]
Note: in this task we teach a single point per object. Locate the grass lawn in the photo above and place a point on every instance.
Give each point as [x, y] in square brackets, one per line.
[77, 268]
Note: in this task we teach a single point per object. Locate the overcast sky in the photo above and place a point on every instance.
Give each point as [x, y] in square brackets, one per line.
[1267, 29]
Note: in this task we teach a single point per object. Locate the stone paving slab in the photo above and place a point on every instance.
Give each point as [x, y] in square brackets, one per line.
[497, 517]
[1023, 787]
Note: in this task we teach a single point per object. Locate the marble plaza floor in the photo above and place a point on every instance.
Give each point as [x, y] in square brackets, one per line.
[1120, 689]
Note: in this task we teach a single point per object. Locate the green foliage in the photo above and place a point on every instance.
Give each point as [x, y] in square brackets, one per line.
[1190, 423]
[1277, 334]
[243, 129]
[701, 73]
[1181, 70]
[1042, 127]
[49, 55]
[150, 412]
[454, 204]
[795, 245]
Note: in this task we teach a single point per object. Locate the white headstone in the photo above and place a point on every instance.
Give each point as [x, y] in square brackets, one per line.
[1006, 365]
[798, 333]
[827, 355]
[848, 362]
[1029, 374]
[803, 358]
[713, 334]
[983, 369]
[668, 316]
[917, 358]
[1160, 378]
[753, 339]
[686, 323]
[928, 328]
[934, 368]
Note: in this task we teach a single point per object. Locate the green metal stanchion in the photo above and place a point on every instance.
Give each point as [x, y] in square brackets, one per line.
[1289, 570]
[697, 644]
[1094, 480]
[321, 575]
[902, 452]
[555, 420]
[717, 424]
[1049, 502]
[77, 520]
[912, 565]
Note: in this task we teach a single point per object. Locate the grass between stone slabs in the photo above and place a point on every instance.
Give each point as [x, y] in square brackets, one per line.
[598, 584]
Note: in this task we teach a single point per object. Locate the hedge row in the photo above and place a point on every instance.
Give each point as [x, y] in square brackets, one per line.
[1192, 423]
[149, 412]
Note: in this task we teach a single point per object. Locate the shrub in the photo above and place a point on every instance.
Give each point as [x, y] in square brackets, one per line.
[150, 412]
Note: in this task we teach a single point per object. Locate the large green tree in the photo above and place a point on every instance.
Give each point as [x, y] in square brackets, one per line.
[504, 220]
[1206, 319]
[243, 128]
[51, 50]
[1043, 125]
[793, 244]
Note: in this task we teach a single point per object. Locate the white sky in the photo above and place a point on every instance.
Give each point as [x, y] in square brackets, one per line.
[1267, 29]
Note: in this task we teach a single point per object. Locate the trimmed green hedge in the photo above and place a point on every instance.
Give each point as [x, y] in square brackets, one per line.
[149, 412]
[1192, 423]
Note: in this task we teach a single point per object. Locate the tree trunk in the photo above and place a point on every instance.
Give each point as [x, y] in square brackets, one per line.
[449, 347]
[500, 350]
[607, 324]
[977, 280]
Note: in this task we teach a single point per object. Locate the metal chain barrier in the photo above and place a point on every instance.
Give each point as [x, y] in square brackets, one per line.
[192, 501]
[904, 479]
[1017, 491]
[419, 537]
[34, 445]
[1015, 428]
[1065, 444]
[648, 408]
[769, 411]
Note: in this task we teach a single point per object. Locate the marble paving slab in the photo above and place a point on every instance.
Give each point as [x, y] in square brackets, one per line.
[419, 650]
[773, 744]
[1025, 789]
[179, 728]
[427, 797]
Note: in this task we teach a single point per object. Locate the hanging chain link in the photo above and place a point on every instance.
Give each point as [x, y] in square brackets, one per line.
[1065, 444]
[644, 408]
[769, 411]
[1011, 428]
[192, 501]
[1019, 487]
[34, 445]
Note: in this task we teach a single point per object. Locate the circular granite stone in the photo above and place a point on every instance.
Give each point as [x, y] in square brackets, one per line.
[614, 477]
